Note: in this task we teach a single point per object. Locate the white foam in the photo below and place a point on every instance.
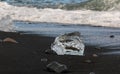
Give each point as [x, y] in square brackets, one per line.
[95, 18]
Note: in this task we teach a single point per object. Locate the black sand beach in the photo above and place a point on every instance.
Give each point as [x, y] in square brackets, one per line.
[26, 57]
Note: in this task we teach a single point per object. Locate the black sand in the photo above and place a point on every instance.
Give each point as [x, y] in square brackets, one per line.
[26, 57]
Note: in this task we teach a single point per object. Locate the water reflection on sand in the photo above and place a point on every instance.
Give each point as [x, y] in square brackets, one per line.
[96, 36]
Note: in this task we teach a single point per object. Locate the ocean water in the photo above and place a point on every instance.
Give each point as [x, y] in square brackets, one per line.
[47, 1]
[43, 3]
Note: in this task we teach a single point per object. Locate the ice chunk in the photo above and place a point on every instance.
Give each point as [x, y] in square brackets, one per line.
[68, 44]
[6, 24]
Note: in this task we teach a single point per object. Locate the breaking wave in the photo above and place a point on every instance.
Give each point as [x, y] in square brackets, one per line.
[69, 4]
[49, 15]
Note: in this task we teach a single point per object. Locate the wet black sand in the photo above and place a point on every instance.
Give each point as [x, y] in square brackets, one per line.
[25, 57]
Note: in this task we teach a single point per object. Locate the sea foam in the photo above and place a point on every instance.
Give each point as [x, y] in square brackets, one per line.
[49, 15]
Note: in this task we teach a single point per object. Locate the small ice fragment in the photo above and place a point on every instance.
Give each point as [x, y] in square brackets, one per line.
[68, 44]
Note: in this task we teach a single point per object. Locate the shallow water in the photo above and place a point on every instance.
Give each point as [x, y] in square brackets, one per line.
[95, 36]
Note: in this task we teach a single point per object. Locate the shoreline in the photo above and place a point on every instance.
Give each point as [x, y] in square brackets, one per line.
[63, 24]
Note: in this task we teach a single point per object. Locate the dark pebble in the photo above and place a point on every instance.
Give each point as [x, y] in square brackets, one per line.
[112, 36]
[56, 67]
